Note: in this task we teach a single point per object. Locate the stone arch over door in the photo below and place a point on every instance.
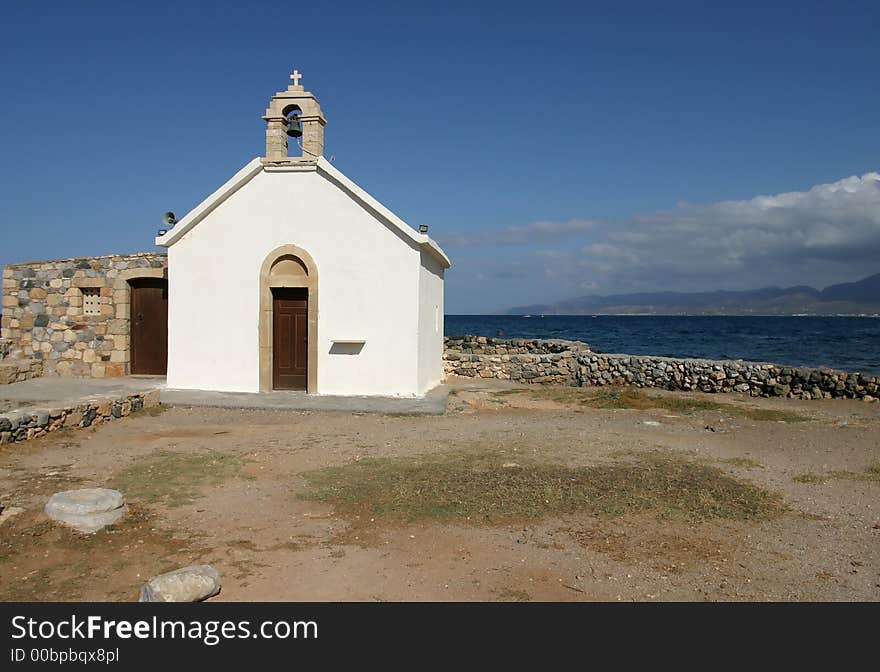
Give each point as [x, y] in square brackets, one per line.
[288, 266]
[122, 302]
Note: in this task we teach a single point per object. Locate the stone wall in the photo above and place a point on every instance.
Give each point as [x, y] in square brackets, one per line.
[44, 320]
[574, 364]
[33, 423]
[523, 360]
[17, 370]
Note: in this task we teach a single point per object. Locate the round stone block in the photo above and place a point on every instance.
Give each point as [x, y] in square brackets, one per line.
[86, 510]
[188, 584]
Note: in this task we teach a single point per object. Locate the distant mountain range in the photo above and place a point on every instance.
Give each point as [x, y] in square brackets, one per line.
[850, 298]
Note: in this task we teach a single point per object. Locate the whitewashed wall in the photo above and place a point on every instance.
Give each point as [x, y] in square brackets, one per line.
[368, 288]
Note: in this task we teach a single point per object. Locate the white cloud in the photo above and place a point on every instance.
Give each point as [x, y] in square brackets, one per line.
[511, 235]
[828, 234]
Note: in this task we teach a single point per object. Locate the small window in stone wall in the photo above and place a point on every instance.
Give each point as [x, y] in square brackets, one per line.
[91, 301]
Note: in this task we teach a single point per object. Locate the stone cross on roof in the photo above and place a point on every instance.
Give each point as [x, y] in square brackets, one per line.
[296, 76]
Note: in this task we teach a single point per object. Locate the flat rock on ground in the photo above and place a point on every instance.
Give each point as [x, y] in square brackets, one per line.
[188, 584]
[86, 510]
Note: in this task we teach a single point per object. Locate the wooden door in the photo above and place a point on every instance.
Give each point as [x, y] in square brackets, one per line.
[290, 339]
[149, 326]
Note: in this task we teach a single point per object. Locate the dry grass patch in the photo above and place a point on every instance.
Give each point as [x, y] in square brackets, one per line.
[636, 399]
[743, 462]
[151, 412]
[512, 595]
[488, 488]
[810, 477]
[174, 478]
[870, 473]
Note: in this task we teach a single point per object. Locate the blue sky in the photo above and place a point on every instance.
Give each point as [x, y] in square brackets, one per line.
[554, 149]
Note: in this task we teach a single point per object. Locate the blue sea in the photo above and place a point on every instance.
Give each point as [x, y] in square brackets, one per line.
[842, 343]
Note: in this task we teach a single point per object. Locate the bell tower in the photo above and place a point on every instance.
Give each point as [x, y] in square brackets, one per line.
[294, 115]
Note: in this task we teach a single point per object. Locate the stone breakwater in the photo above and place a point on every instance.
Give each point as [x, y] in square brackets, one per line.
[574, 364]
[31, 423]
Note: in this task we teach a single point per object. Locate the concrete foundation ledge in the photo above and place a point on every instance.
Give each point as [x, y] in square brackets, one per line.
[433, 403]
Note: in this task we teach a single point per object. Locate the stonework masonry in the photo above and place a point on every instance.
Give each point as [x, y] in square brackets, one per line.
[32, 423]
[575, 364]
[47, 329]
[18, 370]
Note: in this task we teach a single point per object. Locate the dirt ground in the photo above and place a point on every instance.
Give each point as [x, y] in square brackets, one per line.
[236, 489]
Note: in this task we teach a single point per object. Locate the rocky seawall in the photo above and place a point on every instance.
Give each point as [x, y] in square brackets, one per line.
[574, 364]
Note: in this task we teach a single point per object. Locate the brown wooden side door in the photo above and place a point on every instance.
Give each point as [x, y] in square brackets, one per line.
[290, 339]
[149, 326]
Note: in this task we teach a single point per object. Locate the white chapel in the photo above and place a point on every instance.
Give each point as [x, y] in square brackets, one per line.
[290, 276]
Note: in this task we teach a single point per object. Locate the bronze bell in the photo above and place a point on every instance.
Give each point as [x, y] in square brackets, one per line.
[294, 127]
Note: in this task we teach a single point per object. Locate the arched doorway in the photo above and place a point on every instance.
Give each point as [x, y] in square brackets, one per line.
[288, 321]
